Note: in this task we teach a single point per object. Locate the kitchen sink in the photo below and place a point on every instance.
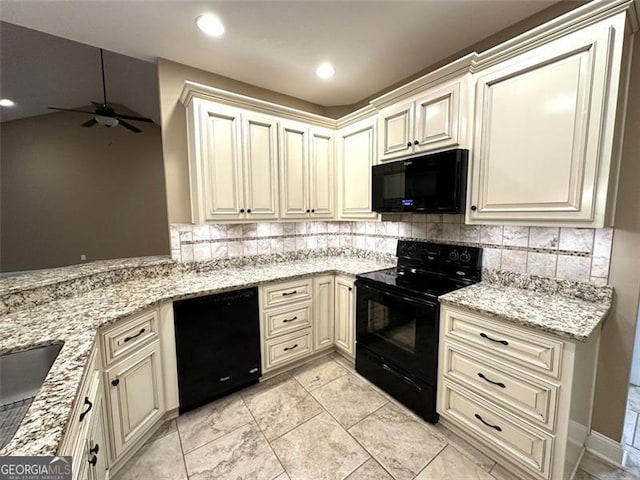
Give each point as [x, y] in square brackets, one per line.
[21, 376]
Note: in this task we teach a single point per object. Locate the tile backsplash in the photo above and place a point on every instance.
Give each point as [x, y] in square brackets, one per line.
[580, 254]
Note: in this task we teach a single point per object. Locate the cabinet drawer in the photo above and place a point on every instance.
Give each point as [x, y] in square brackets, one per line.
[127, 336]
[284, 293]
[287, 348]
[522, 346]
[522, 394]
[287, 319]
[524, 445]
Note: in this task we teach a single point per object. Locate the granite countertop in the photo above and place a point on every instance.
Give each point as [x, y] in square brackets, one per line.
[560, 313]
[74, 321]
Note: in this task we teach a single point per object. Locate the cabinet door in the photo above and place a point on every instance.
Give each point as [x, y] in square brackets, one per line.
[294, 183]
[321, 174]
[344, 316]
[220, 168]
[97, 441]
[396, 131]
[323, 311]
[539, 131]
[356, 156]
[260, 167]
[437, 118]
[135, 396]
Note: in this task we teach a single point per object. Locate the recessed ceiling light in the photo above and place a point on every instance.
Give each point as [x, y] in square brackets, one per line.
[325, 70]
[211, 25]
[5, 102]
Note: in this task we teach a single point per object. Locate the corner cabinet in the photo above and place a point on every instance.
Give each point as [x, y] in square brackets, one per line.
[432, 120]
[356, 156]
[544, 147]
[307, 171]
[233, 163]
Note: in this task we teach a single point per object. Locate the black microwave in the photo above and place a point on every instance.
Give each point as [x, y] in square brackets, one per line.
[433, 183]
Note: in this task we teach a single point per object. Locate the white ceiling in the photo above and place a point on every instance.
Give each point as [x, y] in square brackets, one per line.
[277, 44]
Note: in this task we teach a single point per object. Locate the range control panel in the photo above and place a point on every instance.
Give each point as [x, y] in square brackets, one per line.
[461, 255]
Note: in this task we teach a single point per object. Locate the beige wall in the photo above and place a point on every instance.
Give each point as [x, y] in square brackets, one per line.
[616, 348]
[67, 191]
[171, 78]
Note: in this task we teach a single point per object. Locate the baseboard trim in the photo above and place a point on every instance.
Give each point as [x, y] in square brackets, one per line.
[605, 448]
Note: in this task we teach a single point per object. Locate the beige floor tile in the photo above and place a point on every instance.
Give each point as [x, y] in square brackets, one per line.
[630, 425]
[502, 473]
[450, 464]
[164, 430]
[242, 454]
[282, 476]
[349, 399]
[212, 421]
[465, 448]
[603, 470]
[281, 406]
[370, 470]
[402, 445]
[318, 373]
[319, 449]
[160, 460]
[632, 461]
[343, 361]
[582, 475]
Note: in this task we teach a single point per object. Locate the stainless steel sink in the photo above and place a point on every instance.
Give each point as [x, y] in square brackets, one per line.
[21, 376]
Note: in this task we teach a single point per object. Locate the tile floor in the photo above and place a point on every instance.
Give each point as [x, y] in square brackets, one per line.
[319, 421]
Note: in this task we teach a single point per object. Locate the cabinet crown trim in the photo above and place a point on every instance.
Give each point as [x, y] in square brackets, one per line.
[574, 20]
[193, 90]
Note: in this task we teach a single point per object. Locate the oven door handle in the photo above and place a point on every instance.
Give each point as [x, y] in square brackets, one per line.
[397, 374]
[396, 297]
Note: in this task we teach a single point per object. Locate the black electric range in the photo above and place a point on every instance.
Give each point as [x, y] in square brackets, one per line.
[398, 316]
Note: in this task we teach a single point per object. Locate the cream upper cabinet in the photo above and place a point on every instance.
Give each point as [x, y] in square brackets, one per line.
[543, 136]
[430, 121]
[345, 315]
[356, 156]
[306, 171]
[233, 163]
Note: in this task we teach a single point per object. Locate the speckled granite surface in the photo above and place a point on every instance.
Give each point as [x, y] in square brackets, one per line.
[75, 320]
[567, 309]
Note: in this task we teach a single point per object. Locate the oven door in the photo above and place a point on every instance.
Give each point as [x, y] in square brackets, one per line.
[400, 329]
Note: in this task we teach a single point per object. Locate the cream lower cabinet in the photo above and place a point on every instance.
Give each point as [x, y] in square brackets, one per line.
[98, 441]
[307, 171]
[429, 121]
[323, 307]
[135, 396]
[356, 156]
[233, 163]
[345, 315]
[544, 150]
[521, 395]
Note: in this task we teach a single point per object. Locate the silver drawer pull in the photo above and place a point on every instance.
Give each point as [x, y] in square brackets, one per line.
[503, 342]
[286, 320]
[499, 384]
[284, 294]
[290, 348]
[224, 379]
[495, 427]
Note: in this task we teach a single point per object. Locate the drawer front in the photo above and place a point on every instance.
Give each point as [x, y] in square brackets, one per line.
[287, 348]
[128, 336]
[288, 292]
[526, 396]
[517, 345]
[287, 319]
[527, 447]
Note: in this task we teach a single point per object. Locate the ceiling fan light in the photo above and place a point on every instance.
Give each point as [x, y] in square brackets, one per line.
[210, 25]
[106, 121]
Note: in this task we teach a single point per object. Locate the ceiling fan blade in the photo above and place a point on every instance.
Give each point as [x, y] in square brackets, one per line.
[97, 104]
[129, 126]
[131, 117]
[90, 123]
[70, 110]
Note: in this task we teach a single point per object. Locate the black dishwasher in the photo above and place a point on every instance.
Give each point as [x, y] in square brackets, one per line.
[217, 345]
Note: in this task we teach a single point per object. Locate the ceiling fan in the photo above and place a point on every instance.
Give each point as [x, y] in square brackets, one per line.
[103, 114]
